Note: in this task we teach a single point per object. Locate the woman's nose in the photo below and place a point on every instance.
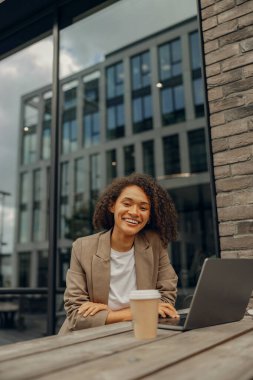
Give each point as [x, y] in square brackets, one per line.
[134, 210]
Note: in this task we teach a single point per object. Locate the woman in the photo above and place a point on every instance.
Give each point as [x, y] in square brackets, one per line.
[138, 219]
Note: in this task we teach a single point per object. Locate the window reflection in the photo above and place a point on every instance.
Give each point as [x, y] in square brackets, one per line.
[129, 159]
[141, 92]
[171, 155]
[64, 200]
[24, 265]
[91, 118]
[198, 92]
[46, 128]
[111, 165]
[115, 101]
[42, 268]
[69, 119]
[148, 157]
[125, 86]
[30, 124]
[171, 82]
[36, 225]
[23, 215]
[197, 150]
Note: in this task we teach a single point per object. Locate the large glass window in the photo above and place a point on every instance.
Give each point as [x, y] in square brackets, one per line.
[115, 121]
[198, 91]
[129, 159]
[171, 82]
[46, 129]
[95, 180]
[142, 109]
[115, 101]
[171, 155]
[95, 110]
[24, 265]
[69, 119]
[42, 268]
[115, 81]
[111, 165]
[141, 71]
[197, 150]
[36, 225]
[148, 157]
[91, 118]
[64, 200]
[30, 125]
[23, 212]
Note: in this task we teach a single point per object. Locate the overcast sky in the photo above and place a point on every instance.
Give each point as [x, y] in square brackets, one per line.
[82, 45]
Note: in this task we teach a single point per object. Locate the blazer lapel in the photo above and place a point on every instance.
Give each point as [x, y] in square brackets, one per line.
[144, 262]
[101, 269]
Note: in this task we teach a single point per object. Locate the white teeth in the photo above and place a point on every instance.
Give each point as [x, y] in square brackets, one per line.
[132, 221]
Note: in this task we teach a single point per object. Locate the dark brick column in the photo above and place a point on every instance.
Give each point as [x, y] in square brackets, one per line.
[227, 27]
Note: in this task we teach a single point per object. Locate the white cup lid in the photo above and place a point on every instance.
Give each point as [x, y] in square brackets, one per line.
[144, 294]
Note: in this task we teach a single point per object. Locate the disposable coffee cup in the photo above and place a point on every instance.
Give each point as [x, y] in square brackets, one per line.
[144, 308]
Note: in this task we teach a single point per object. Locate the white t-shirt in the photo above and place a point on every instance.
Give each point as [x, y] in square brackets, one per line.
[123, 278]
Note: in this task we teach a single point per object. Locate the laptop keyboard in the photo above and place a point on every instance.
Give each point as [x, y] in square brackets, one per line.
[173, 321]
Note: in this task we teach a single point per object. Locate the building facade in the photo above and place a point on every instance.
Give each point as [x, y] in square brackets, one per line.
[139, 110]
[228, 54]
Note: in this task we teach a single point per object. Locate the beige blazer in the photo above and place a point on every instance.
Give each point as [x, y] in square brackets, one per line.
[88, 278]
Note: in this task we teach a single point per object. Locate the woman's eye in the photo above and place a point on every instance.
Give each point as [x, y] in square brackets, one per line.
[126, 204]
[144, 209]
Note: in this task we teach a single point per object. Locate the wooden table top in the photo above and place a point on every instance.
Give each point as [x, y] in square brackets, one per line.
[111, 352]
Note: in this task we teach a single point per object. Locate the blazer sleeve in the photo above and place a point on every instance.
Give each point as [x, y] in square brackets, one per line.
[166, 279]
[76, 294]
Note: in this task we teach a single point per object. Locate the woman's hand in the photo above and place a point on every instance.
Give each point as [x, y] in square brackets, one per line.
[165, 309]
[92, 308]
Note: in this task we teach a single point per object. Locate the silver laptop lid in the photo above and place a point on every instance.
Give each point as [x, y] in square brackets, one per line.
[222, 292]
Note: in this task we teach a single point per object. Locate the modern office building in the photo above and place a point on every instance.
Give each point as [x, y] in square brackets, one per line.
[140, 109]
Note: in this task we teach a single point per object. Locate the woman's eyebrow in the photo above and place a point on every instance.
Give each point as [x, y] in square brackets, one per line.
[132, 200]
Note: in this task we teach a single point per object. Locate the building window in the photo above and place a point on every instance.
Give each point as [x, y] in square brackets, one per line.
[111, 165]
[36, 225]
[24, 272]
[23, 212]
[69, 122]
[79, 183]
[115, 121]
[171, 83]
[64, 261]
[91, 122]
[142, 111]
[46, 127]
[42, 269]
[171, 155]
[197, 84]
[115, 81]
[148, 157]
[141, 72]
[115, 101]
[64, 200]
[129, 159]
[30, 124]
[95, 180]
[197, 150]
[79, 223]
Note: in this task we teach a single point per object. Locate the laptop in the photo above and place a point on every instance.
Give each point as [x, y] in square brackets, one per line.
[221, 295]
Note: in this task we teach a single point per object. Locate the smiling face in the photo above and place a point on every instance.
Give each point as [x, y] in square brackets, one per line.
[131, 212]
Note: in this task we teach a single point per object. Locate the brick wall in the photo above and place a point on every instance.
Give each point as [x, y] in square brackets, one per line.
[227, 27]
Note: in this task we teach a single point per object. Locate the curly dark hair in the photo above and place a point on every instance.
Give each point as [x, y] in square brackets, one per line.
[163, 215]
